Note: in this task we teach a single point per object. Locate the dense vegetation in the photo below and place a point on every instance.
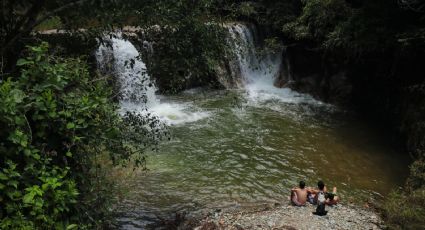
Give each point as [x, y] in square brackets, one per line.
[56, 124]
[187, 45]
[58, 116]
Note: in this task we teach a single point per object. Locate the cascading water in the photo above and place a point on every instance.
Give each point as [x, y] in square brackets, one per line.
[254, 68]
[137, 91]
[259, 70]
[135, 84]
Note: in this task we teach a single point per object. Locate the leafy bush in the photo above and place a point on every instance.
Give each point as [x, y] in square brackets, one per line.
[416, 179]
[50, 24]
[55, 122]
[321, 16]
[406, 209]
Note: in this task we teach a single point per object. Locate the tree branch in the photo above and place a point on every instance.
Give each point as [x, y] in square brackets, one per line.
[37, 22]
[55, 11]
[28, 16]
[414, 5]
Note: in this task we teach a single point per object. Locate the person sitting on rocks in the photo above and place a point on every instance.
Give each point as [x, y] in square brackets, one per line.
[332, 198]
[312, 193]
[320, 199]
[299, 195]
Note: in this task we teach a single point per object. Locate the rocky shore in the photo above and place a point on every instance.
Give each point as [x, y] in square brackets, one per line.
[287, 216]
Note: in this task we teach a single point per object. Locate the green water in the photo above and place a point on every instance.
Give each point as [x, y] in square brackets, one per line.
[248, 152]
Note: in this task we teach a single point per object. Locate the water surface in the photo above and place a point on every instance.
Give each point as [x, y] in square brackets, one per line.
[251, 148]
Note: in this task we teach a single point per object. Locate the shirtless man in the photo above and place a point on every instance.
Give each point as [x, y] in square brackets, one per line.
[299, 195]
[312, 193]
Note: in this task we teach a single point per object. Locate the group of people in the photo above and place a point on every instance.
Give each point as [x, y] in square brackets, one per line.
[320, 196]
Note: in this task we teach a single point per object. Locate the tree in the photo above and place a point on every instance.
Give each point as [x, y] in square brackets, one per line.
[56, 121]
[20, 17]
[57, 118]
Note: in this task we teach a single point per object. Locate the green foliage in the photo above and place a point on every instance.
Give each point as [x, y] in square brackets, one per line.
[321, 16]
[186, 47]
[277, 14]
[272, 14]
[185, 57]
[246, 9]
[55, 123]
[34, 191]
[21, 17]
[50, 24]
[416, 179]
[405, 211]
[317, 20]
[296, 31]
[272, 44]
[375, 26]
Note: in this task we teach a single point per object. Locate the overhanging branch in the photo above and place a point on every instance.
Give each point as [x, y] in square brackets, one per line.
[414, 5]
[28, 28]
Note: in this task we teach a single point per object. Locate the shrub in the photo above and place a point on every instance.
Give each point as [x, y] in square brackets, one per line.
[55, 121]
[406, 209]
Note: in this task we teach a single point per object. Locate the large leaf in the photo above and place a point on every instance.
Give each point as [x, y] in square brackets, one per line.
[22, 62]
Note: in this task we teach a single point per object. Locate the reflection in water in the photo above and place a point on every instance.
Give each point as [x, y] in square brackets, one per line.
[252, 151]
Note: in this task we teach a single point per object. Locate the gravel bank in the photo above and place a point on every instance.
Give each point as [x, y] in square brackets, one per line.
[290, 217]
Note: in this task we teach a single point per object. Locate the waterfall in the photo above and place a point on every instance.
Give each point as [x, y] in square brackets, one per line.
[135, 84]
[254, 69]
[136, 89]
[258, 68]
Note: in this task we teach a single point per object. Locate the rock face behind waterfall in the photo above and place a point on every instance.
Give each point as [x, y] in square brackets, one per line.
[305, 71]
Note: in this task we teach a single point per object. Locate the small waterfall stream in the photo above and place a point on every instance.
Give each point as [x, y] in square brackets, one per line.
[255, 69]
[137, 90]
[259, 68]
[135, 84]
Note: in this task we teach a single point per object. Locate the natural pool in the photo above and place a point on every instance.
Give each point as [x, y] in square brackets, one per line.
[245, 147]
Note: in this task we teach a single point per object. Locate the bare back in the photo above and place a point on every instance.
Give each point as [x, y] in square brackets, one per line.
[302, 195]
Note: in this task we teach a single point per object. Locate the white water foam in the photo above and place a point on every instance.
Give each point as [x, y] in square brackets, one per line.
[258, 72]
[136, 88]
[169, 113]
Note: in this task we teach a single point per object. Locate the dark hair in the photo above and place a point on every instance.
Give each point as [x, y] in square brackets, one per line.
[302, 184]
[330, 196]
[321, 185]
